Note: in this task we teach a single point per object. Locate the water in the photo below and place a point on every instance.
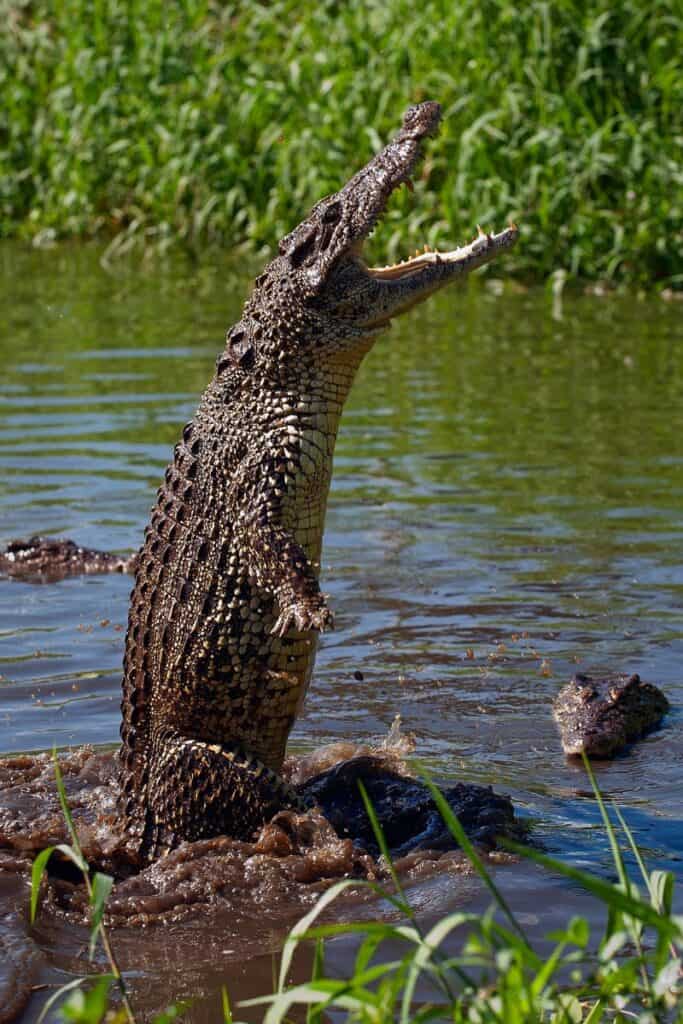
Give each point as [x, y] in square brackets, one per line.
[505, 511]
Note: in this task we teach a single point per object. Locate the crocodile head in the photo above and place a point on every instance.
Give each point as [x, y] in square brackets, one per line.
[320, 291]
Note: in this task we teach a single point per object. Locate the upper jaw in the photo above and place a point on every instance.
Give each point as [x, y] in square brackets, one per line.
[367, 192]
[345, 219]
[334, 233]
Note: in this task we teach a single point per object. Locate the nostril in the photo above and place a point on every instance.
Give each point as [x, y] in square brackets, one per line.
[302, 247]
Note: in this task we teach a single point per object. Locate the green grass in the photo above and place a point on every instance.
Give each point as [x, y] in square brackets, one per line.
[187, 122]
[93, 1002]
[632, 972]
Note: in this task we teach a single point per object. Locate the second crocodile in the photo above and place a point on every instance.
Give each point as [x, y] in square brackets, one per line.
[599, 717]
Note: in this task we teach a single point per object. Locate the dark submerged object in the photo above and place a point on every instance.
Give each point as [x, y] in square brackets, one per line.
[405, 809]
[599, 717]
[226, 607]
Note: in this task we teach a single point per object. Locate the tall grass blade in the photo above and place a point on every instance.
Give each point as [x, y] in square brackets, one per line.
[461, 837]
[613, 897]
[403, 903]
[313, 1013]
[423, 954]
[609, 828]
[303, 925]
[596, 1013]
[57, 995]
[99, 894]
[66, 810]
[384, 849]
[225, 1003]
[38, 869]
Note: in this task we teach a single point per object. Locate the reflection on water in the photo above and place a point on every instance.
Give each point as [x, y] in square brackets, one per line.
[506, 508]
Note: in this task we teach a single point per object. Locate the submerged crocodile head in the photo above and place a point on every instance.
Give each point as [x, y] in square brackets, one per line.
[598, 717]
[319, 292]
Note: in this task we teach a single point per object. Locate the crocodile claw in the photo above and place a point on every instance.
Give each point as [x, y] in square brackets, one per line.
[303, 618]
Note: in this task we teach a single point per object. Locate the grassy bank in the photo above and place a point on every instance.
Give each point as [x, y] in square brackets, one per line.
[632, 972]
[162, 122]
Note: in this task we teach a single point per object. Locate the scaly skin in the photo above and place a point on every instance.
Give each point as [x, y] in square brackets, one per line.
[49, 559]
[226, 607]
[599, 717]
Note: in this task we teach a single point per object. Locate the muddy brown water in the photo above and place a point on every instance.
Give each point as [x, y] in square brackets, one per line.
[507, 508]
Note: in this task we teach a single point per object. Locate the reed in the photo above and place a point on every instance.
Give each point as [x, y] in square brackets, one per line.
[494, 976]
[157, 123]
[631, 972]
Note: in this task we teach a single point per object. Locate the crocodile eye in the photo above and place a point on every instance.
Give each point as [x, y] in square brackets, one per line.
[332, 213]
[241, 349]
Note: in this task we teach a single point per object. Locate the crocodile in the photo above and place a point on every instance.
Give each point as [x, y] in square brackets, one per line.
[226, 606]
[50, 558]
[599, 717]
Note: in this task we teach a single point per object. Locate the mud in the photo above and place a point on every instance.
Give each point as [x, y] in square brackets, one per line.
[20, 958]
[275, 877]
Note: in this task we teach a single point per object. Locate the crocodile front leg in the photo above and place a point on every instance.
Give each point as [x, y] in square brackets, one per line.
[277, 561]
[279, 565]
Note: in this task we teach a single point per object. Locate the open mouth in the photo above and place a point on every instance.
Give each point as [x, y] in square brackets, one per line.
[409, 266]
[366, 196]
[479, 249]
